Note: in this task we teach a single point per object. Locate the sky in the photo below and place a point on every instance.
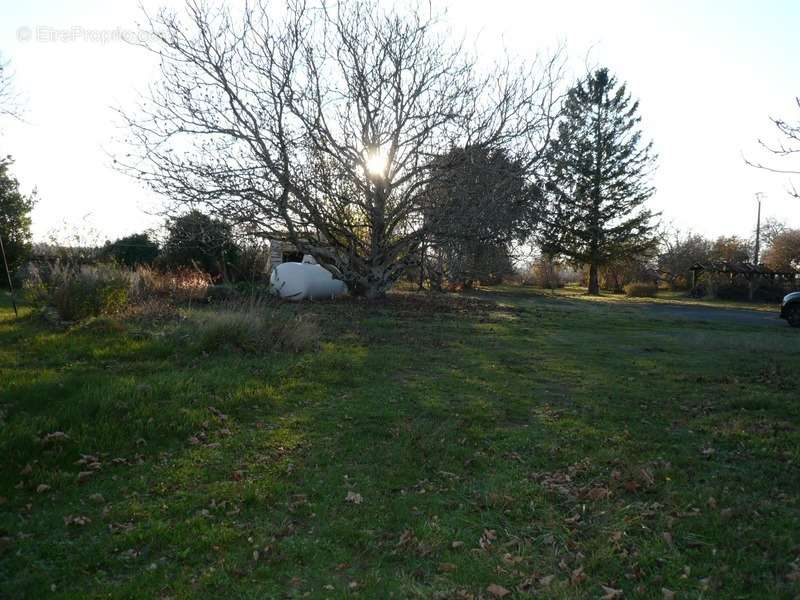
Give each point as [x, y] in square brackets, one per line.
[708, 73]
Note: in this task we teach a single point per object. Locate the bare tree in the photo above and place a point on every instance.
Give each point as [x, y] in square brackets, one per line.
[320, 122]
[679, 251]
[9, 98]
[787, 149]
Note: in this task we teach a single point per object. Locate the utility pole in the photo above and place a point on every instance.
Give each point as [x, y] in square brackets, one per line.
[759, 195]
[8, 274]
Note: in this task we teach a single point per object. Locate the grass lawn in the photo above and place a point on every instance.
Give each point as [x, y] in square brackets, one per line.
[428, 449]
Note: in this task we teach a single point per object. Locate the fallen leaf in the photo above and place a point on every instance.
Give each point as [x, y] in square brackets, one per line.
[497, 591]
[456, 545]
[547, 580]
[56, 436]
[84, 476]
[632, 485]
[447, 567]
[511, 559]
[354, 498]
[79, 520]
[578, 576]
[97, 498]
[647, 476]
[667, 536]
[489, 535]
[610, 593]
[598, 493]
[406, 538]
[42, 488]
[667, 594]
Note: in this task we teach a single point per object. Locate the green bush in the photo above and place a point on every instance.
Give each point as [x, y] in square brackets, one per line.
[641, 289]
[78, 292]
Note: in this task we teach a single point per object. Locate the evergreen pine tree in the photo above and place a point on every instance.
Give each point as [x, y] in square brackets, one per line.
[599, 178]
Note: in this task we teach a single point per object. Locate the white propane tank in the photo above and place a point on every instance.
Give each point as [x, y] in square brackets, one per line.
[300, 281]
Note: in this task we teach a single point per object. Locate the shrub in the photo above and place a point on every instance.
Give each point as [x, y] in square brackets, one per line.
[137, 249]
[546, 274]
[734, 290]
[78, 292]
[252, 328]
[769, 291]
[641, 289]
[181, 286]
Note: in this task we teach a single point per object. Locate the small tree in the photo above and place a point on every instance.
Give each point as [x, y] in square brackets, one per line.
[783, 254]
[15, 219]
[679, 252]
[197, 240]
[730, 248]
[132, 250]
[599, 178]
[479, 203]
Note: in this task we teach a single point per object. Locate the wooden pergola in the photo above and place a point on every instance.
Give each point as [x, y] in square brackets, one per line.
[748, 271]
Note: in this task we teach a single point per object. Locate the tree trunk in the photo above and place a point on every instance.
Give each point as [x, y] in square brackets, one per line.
[594, 283]
[422, 252]
[374, 291]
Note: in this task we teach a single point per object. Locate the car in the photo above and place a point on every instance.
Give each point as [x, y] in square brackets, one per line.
[790, 309]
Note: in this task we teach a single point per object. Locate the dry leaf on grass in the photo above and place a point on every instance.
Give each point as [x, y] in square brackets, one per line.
[497, 591]
[610, 593]
[511, 559]
[79, 520]
[489, 535]
[354, 498]
[577, 576]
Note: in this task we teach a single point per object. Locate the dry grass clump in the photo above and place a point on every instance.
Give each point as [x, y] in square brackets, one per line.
[252, 327]
[181, 286]
[641, 289]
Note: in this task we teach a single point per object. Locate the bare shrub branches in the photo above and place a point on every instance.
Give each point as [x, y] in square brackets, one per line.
[786, 149]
